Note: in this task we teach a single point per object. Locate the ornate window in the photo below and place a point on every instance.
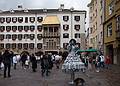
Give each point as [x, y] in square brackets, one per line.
[8, 28]
[26, 19]
[14, 19]
[14, 37]
[19, 45]
[20, 36]
[31, 45]
[25, 45]
[1, 46]
[65, 45]
[8, 36]
[39, 28]
[26, 28]
[2, 19]
[77, 35]
[26, 36]
[2, 37]
[8, 46]
[13, 45]
[77, 18]
[20, 28]
[32, 28]
[32, 19]
[65, 18]
[20, 19]
[2, 28]
[39, 45]
[65, 35]
[39, 19]
[39, 36]
[77, 27]
[109, 30]
[8, 19]
[65, 27]
[32, 36]
[14, 28]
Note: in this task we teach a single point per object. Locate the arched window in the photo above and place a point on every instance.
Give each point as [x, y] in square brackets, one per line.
[20, 19]
[8, 46]
[32, 28]
[32, 36]
[39, 45]
[26, 28]
[13, 45]
[32, 19]
[8, 28]
[39, 36]
[14, 28]
[1, 46]
[65, 27]
[2, 28]
[20, 36]
[8, 36]
[14, 36]
[39, 28]
[25, 46]
[20, 28]
[77, 27]
[39, 19]
[8, 19]
[19, 45]
[2, 37]
[14, 19]
[2, 19]
[31, 45]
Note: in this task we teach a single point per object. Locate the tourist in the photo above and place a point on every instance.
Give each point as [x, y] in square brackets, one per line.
[34, 62]
[14, 61]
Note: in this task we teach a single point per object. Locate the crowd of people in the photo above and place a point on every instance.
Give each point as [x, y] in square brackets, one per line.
[8, 59]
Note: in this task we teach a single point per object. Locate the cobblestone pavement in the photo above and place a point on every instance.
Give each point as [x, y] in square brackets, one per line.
[25, 77]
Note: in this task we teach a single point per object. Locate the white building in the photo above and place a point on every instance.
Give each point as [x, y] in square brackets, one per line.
[44, 30]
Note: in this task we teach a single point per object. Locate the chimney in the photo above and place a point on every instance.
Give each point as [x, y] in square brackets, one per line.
[20, 7]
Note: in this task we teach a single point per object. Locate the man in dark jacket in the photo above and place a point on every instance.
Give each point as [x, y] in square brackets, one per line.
[7, 62]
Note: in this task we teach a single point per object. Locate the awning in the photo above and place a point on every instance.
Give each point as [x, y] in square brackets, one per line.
[51, 20]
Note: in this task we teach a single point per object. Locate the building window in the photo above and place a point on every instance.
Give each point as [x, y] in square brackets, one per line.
[118, 23]
[1, 46]
[111, 8]
[20, 28]
[31, 45]
[8, 28]
[26, 36]
[65, 18]
[32, 36]
[2, 37]
[77, 27]
[14, 28]
[19, 45]
[109, 30]
[2, 28]
[14, 19]
[39, 36]
[39, 45]
[65, 27]
[26, 28]
[65, 45]
[13, 45]
[8, 19]
[20, 19]
[77, 18]
[39, 19]
[32, 28]
[2, 19]
[7, 45]
[65, 35]
[77, 35]
[25, 45]
[32, 19]
[26, 19]
[8, 36]
[39, 28]
[14, 36]
[20, 36]
[91, 40]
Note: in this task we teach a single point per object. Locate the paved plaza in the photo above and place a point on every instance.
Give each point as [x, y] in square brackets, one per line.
[25, 77]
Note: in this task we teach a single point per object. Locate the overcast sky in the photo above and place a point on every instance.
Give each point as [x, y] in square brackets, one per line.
[12, 4]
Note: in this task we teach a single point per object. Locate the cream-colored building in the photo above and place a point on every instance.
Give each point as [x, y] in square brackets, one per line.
[95, 39]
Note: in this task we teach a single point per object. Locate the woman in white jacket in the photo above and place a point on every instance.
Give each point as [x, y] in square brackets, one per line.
[14, 61]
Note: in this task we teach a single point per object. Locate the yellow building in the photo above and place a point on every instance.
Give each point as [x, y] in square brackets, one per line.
[112, 30]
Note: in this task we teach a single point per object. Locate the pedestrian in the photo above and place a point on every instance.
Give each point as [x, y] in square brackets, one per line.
[102, 64]
[23, 59]
[107, 61]
[45, 65]
[7, 62]
[1, 63]
[97, 63]
[34, 62]
[14, 61]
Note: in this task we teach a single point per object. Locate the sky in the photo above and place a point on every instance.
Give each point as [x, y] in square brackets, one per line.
[76, 4]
